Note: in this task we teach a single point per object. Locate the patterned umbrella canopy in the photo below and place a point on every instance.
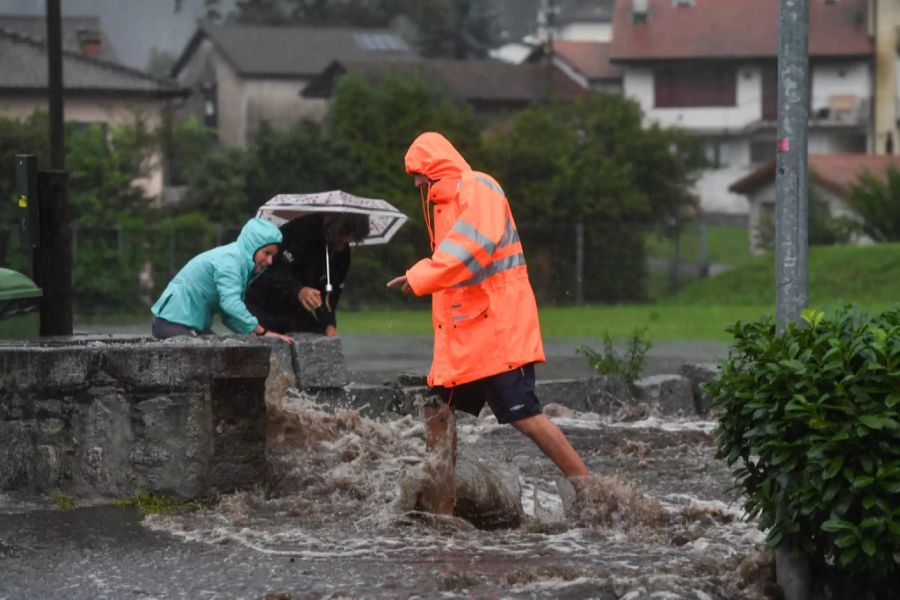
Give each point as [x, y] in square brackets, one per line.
[384, 219]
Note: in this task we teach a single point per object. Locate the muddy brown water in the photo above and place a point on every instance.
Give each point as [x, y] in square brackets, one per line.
[333, 523]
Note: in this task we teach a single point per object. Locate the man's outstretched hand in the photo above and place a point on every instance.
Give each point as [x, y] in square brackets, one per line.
[398, 280]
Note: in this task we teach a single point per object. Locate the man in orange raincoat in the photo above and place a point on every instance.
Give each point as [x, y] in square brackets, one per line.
[486, 332]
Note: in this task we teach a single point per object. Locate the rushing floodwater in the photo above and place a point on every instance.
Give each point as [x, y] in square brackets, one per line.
[658, 522]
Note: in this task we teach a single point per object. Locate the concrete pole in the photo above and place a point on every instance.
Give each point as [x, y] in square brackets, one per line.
[791, 564]
[791, 163]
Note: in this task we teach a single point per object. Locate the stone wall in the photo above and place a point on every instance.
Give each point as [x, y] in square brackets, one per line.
[106, 417]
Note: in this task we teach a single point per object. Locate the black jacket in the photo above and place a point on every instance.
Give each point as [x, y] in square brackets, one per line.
[300, 263]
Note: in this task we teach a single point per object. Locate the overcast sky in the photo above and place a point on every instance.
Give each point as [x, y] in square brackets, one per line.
[132, 26]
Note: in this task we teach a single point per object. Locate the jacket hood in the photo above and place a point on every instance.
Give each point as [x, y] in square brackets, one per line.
[256, 234]
[432, 155]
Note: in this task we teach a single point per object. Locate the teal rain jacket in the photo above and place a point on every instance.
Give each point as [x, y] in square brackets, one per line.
[215, 281]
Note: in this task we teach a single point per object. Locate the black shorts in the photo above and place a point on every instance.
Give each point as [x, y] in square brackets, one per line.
[509, 394]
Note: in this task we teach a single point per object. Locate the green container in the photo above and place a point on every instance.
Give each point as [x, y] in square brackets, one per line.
[19, 305]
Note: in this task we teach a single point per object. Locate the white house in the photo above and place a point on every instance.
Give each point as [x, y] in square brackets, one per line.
[831, 178]
[709, 67]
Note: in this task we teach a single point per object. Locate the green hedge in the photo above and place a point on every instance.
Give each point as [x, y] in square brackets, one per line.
[810, 425]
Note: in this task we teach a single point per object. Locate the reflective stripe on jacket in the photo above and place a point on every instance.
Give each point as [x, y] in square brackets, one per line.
[483, 308]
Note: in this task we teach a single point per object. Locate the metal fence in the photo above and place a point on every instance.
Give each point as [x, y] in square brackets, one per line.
[124, 267]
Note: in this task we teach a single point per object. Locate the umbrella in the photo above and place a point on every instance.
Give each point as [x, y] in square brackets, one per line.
[384, 219]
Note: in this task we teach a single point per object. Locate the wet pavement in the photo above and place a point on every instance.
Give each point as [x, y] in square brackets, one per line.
[375, 358]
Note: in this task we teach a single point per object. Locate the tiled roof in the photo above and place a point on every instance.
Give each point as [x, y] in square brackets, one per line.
[24, 69]
[484, 81]
[36, 28]
[275, 51]
[835, 171]
[734, 29]
[589, 59]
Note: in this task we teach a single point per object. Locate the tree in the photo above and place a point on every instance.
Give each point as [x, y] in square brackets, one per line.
[260, 12]
[877, 201]
[592, 163]
[160, 63]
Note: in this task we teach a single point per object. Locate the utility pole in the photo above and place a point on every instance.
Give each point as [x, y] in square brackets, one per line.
[792, 564]
[52, 259]
[55, 86]
[791, 213]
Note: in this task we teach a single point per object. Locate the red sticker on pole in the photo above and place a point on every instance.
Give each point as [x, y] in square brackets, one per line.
[784, 145]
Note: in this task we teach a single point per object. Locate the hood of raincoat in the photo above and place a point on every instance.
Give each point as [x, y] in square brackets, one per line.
[432, 155]
[256, 234]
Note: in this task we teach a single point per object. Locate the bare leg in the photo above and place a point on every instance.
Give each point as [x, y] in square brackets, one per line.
[440, 423]
[553, 443]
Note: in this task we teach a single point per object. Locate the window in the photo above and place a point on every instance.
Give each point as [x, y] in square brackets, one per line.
[762, 151]
[210, 106]
[695, 85]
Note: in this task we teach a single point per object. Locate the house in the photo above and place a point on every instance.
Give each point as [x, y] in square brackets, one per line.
[242, 75]
[528, 25]
[831, 177]
[95, 90]
[80, 35]
[492, 88]
[709, 67]
[586, 63]
[886, 36]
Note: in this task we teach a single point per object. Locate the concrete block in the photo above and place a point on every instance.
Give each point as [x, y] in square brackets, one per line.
[372, 400]
[669, 394]
[319, 361]
[31, 367]
[698, 374]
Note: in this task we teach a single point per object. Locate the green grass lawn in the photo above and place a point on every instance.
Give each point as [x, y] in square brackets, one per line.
[868, 275]
[724, 244]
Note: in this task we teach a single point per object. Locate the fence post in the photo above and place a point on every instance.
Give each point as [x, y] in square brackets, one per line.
[703, 251]
[674, 266]
[579, 264]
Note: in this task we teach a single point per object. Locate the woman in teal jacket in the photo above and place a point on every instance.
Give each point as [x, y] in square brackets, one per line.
[215, 281]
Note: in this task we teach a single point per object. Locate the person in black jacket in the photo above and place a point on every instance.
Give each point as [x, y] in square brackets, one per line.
[301, 290]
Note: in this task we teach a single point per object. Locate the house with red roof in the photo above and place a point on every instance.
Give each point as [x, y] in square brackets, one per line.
[710, 68]
[831, 180]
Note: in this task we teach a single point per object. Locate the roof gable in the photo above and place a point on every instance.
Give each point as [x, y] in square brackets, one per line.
[837, 172]
[286, 52]
[24, 69]
[589, 59]
[475, 81]
[734, 29]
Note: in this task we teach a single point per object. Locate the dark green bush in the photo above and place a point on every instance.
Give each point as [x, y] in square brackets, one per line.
[810, 426]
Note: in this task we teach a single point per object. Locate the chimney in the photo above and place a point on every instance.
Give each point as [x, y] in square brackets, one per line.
[639, 10]
[90, 42]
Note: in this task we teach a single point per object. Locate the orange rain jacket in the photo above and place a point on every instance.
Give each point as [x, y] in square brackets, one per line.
[483, 308]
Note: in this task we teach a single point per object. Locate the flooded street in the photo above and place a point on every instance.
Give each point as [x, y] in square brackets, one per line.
[333, 523]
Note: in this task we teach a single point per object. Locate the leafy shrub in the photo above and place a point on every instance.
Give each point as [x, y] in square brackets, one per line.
[811, 428]
[627, 364]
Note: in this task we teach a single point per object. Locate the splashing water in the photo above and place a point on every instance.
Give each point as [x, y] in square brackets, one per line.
[653, 519]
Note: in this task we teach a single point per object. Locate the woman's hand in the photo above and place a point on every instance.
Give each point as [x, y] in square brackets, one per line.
[331, 331]
[310, 298]
[284, 338]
